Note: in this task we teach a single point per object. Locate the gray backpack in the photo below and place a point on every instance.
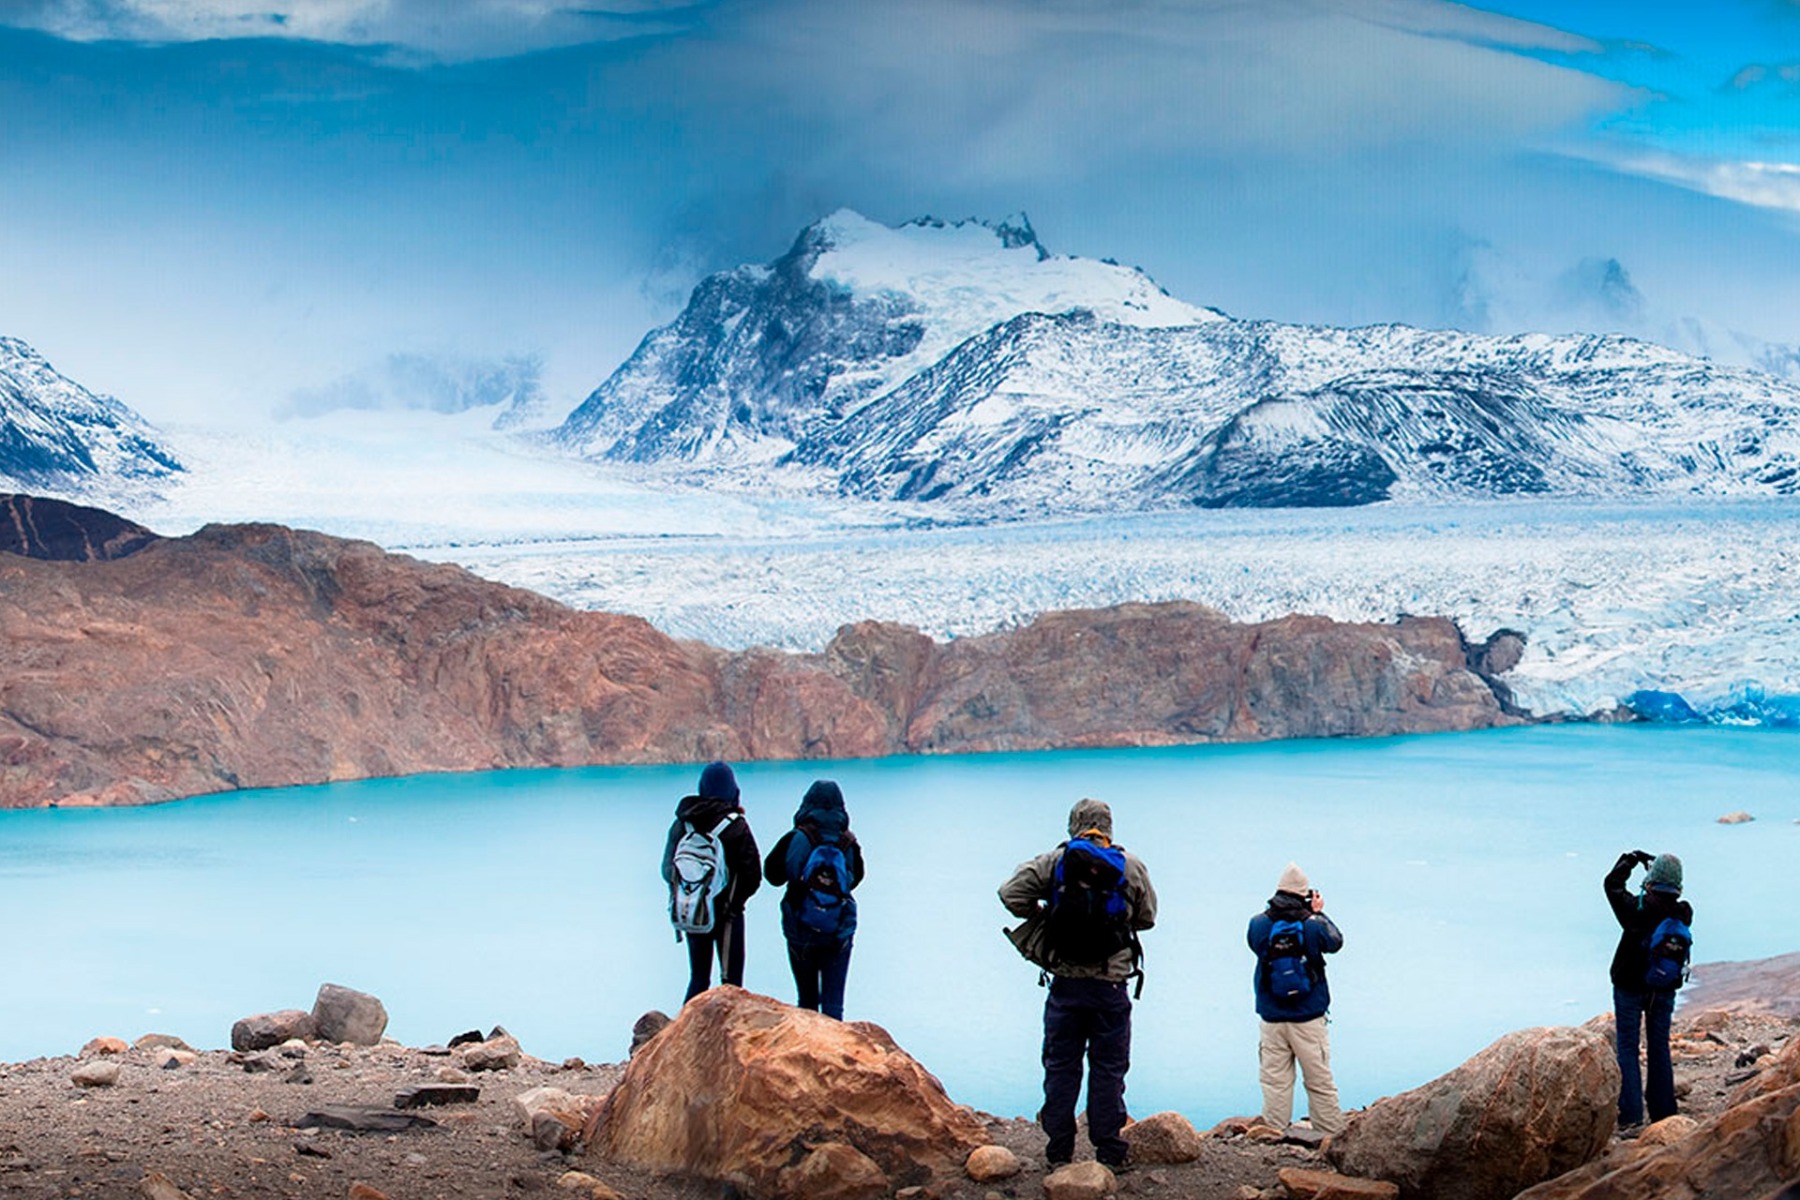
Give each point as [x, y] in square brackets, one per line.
[698, 876]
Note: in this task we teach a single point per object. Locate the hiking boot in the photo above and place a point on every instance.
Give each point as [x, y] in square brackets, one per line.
[1118, 1166]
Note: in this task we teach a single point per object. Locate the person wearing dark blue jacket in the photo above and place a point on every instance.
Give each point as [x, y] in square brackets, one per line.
[819, 861]
[1635, 1003]
[1291, 938]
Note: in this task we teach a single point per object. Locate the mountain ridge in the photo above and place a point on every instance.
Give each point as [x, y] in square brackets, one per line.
[1099, 406]
[56, 435]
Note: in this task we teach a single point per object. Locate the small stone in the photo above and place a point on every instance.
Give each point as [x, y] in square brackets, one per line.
[1739, 817]
[160, 1041]
[362, 1191]
[493, 1054]
[989, 1163]
[1165, 1137]
[647, 1027]
[1080, 1181]
[258, 1064]
[574, 1064]
[452, 1075]
[104, 1045]
[550, 1131]
[1667, 1131]
[362, 1119]
[265, 1030]
[468, 1038]
[1303, 1184]
[587, 1185]
[173, 1060]
[1246, 1192]
[96, 1074]
[914, 1192]
[436, 1093]
[311, 1150]
[834, 1171]
[257, 1116]
[157, 1186]
[1754, 1054]
[345, 1015]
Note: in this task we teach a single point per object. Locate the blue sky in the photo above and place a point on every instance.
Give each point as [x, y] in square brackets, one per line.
[208, 206]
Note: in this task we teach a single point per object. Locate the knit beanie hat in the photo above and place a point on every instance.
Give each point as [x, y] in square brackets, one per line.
[1665, 874]
[718, 783]
[1294, 880]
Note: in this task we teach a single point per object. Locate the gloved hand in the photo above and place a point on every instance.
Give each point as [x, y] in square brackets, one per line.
[1643, 856]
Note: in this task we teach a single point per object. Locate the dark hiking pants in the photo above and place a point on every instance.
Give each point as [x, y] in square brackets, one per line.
[728, 940]
[820, 973]
[1091, 1019]
[1654, 1012]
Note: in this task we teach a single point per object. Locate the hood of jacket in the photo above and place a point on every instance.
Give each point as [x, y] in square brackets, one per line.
[822, 808]
[1285, 906]
[703, 812]
[1090, 814]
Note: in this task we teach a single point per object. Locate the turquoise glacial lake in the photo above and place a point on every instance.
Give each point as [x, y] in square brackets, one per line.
[1464, 870]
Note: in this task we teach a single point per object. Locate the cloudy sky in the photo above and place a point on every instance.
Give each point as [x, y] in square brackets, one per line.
[212, 207]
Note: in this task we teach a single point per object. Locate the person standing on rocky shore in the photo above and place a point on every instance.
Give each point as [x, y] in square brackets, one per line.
[1650, 963]
[819, 861]
[1290, 939]
[1084, 904]
[712, 867]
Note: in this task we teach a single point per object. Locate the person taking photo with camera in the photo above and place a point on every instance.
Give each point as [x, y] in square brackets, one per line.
[1291, 938]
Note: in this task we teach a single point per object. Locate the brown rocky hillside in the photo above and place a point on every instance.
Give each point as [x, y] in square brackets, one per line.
[258, 656]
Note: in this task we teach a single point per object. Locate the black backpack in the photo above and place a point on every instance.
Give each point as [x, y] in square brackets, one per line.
[1089, 919]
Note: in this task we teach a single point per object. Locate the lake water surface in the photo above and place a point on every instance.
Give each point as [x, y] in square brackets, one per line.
[1464, 870]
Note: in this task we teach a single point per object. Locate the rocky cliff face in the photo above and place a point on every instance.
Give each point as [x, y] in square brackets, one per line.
[258, 656]
[57, 435]
[54, 529]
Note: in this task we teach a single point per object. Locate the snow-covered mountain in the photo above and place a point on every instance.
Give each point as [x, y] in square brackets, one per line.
[765, 355]
[962, 364]
[58, 438]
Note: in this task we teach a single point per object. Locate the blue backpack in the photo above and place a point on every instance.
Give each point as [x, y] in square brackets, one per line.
[1285, 964]
[826, 911]
[1669, 945]
[1089, 919]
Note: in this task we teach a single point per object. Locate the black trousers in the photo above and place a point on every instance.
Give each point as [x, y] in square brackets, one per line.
[1086, 1019]
[727, 938]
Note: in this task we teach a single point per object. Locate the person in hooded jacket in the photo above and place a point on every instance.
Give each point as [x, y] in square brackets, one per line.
[1294, 1026]
[716, 800]
[1087, 1013]
[818, 918]
[1635, 1004]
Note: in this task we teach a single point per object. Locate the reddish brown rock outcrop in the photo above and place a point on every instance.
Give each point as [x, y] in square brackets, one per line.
[1749, 1150]
[258, 656]
[782, 1102]
[1532, 1106]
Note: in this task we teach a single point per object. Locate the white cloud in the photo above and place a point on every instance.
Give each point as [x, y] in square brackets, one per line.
[449, 29]
[1771, 185]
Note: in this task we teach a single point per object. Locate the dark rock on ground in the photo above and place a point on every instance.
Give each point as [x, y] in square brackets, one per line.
[343, 1014]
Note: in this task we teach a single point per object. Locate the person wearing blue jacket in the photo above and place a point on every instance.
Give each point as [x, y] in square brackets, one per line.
[819, 861]
[1291, 938]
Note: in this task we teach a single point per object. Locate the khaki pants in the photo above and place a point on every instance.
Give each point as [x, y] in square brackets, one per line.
[1285, 1043]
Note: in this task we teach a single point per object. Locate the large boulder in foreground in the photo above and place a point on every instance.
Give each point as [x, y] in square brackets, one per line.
[1749, 1150]
[752, 1092]
[1532, 1106]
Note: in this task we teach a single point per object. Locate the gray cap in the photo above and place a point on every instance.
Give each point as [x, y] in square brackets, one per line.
[1090, 814]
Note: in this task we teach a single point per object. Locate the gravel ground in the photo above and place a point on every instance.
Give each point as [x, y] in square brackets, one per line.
[215, 1129]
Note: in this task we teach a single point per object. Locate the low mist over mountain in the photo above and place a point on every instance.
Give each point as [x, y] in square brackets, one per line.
[56, 436]
[965, 365]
